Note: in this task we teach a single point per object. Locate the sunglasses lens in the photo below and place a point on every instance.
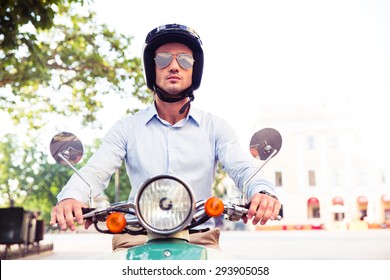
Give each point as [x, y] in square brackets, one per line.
[163, 59]
[185, 60]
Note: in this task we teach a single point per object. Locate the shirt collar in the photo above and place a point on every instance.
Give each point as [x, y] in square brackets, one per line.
[195, 114]
[151, 112]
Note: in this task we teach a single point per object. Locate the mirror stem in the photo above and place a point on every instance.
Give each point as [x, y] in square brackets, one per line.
[81, 177]
[274, 152]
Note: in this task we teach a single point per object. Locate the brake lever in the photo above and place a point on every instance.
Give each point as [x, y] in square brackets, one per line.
[85, 212]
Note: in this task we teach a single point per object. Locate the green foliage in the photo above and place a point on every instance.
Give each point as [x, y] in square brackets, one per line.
[124, 186]
[57, 58]
[8, 169]
[219, 189]
[27, 179]
[16, 14]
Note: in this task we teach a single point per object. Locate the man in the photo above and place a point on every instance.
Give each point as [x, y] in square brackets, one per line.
[169, 137]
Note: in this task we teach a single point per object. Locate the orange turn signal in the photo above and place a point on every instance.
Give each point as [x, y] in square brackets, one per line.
[214, 206]
[116, 222]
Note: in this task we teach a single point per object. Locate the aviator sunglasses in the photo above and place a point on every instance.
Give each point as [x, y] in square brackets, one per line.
[186, 61]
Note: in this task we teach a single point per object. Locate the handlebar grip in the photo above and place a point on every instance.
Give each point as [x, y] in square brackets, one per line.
[83, 210]
[86, 210]
[278, 218]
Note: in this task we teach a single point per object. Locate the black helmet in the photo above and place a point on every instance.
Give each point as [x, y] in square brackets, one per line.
[172, 33]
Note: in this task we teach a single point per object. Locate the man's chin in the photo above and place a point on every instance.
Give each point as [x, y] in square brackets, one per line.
[173, 91]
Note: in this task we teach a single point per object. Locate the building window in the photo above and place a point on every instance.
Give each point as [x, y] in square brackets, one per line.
[384, 177]
[362, 203]
[386, 206]
[316, 212]
[313, 208]
[310, 142]
[338, 208]
[387, 214]
[339, 216]
[312, 178]
[278, 179]
[363, 214]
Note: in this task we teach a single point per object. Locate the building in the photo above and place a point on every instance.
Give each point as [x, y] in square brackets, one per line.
[333, 168]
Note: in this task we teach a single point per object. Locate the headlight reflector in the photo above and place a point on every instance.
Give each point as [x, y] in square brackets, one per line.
[164, 204]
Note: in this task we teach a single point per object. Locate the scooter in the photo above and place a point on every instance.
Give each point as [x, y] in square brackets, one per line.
[164, 209]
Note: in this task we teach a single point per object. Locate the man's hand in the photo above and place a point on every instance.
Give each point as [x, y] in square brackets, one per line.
[66, 212]
[262, 208]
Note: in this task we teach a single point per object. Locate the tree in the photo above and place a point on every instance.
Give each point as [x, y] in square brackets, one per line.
[28, 179]
[219, 189]
[17, 14]
[57, 58]
[8, 170]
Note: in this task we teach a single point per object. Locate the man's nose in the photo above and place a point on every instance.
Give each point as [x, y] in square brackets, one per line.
[174, 65]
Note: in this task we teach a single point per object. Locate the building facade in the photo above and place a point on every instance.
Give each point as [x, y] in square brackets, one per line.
[333, 169]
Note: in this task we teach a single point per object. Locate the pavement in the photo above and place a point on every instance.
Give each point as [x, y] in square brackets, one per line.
[247, 245]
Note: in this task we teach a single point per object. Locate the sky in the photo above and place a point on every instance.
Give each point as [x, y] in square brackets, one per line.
[269, 53]
[273, 53]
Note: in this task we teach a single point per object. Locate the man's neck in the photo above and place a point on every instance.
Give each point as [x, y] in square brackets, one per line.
[170, 111]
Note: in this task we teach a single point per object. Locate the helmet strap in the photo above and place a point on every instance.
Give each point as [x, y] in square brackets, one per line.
[184, 107]
[166, 97]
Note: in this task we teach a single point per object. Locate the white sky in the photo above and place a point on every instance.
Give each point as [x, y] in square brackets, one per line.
[270, 51]
[276, 51]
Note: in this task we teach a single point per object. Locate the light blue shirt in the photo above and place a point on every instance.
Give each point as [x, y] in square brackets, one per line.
[150, 146]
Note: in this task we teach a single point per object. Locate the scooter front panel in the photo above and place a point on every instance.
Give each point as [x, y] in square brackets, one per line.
[171, 250]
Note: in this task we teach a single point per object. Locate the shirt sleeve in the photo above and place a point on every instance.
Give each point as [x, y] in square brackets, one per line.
[100, 167]
[238, 164]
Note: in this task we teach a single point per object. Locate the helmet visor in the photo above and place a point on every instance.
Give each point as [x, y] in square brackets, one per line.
[162, 60]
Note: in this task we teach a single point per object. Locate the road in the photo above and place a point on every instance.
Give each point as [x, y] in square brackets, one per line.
[245, 245]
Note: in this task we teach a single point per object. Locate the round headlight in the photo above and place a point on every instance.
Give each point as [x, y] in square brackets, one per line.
[164, 204]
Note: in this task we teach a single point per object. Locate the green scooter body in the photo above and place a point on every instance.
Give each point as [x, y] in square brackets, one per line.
[167, 249]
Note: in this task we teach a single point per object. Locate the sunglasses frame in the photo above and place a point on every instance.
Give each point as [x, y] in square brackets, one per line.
[177, 56]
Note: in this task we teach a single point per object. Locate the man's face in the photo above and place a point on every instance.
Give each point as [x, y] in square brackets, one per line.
[173, 79]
